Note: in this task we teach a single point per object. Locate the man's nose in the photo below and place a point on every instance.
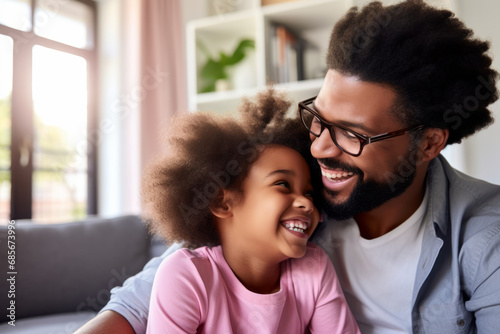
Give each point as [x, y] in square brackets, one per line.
[323, 146]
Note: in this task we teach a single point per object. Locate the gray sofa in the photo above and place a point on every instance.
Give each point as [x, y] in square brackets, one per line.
[64, 272]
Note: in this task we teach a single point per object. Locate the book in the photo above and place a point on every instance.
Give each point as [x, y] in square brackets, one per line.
[286, 55]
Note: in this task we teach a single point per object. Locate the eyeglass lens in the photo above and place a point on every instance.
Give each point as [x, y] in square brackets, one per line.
[344, 139]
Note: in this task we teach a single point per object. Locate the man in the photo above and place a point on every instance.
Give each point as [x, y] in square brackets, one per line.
[415, 243]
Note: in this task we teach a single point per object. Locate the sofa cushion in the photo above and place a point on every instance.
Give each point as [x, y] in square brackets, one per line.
[71, 267]
[65, 323]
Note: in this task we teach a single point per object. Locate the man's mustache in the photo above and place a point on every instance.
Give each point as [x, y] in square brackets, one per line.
[335, 164]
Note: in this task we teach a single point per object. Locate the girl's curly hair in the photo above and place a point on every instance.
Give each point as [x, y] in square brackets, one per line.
[441, 72]
[207, 153]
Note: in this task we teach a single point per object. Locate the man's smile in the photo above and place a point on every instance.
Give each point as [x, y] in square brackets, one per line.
[337, 178]
[338, 175]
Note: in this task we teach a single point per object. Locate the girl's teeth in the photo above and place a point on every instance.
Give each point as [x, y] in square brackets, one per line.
[298, 227]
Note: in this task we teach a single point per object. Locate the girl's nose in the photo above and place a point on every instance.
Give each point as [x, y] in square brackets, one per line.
[304, 203]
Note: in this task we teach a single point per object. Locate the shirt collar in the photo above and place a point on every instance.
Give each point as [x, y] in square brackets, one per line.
[437, 210]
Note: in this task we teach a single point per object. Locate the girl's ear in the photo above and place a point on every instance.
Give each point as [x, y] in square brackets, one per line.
[220, 206]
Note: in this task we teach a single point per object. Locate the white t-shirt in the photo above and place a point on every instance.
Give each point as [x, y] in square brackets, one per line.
[378, 275]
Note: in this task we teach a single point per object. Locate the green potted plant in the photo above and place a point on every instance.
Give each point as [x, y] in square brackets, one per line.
[216, 69]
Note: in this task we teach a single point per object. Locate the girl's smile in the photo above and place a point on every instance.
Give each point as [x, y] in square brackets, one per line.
[298, 226]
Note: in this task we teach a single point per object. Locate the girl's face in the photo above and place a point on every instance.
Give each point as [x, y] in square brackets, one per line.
[276, 215]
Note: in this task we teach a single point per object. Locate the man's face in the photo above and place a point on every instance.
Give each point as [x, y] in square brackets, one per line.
[358, 184]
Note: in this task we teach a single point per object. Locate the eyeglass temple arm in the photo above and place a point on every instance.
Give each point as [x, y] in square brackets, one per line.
[392, 134]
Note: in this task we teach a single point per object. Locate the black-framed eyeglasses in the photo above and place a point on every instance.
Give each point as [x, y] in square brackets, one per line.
[347, 140]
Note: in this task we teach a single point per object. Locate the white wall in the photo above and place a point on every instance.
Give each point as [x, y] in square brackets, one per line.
[482, 150]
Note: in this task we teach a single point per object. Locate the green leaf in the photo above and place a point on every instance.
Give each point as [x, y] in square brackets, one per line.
[214, 70]
[240, 51]
[208, 88]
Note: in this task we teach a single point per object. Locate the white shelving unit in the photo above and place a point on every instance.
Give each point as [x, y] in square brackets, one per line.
[310, 19]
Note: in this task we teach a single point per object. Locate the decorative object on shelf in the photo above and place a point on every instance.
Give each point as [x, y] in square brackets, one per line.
[222, 7]
[272, 2]
[215, 70]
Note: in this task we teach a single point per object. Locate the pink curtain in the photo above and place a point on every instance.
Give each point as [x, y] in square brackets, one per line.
[163, 71]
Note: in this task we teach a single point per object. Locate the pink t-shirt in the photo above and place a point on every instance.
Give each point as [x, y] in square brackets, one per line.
[195, 291]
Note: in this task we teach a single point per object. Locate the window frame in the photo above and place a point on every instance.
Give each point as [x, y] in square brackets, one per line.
[22, 112]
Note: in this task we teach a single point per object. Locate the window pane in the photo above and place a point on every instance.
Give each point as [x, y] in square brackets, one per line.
[16, 14]
[60, 145]
[68, 22]
[59, 196]
[6, 51]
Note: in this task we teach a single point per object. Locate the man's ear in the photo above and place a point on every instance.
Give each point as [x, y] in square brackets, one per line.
[433, 142]
[221, 205]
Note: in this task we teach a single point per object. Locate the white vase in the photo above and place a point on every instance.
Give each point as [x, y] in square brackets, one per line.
[244, 74]
[222, 85]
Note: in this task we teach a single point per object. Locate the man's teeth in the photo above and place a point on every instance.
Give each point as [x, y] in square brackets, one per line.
[336, 175]
[297, 226]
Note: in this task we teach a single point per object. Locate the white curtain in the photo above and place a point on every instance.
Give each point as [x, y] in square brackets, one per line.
[142, 84]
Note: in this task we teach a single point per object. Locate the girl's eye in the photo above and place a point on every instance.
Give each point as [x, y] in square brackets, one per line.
[309, 194]
[283, 184]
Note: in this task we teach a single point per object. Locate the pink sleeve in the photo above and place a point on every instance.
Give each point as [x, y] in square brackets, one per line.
[177, 298]
[331, 313]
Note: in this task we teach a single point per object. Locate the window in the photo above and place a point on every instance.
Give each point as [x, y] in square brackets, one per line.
[6, 54]
[47, 109]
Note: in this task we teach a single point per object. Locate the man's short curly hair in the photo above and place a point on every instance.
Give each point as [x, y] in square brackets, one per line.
[442, 74]
[207, 153]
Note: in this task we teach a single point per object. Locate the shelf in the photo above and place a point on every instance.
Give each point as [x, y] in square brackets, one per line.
[211, 97]
[307, 15]
[227, 24]
[312, 20]
[227, 102]
[309, 85]
[220, 34]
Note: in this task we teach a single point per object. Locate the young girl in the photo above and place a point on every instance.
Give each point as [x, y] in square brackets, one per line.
[243, 191]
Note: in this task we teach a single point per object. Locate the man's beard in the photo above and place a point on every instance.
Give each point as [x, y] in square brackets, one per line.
[366, 195]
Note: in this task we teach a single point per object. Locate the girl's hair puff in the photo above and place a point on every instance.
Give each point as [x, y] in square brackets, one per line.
[207, 153]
